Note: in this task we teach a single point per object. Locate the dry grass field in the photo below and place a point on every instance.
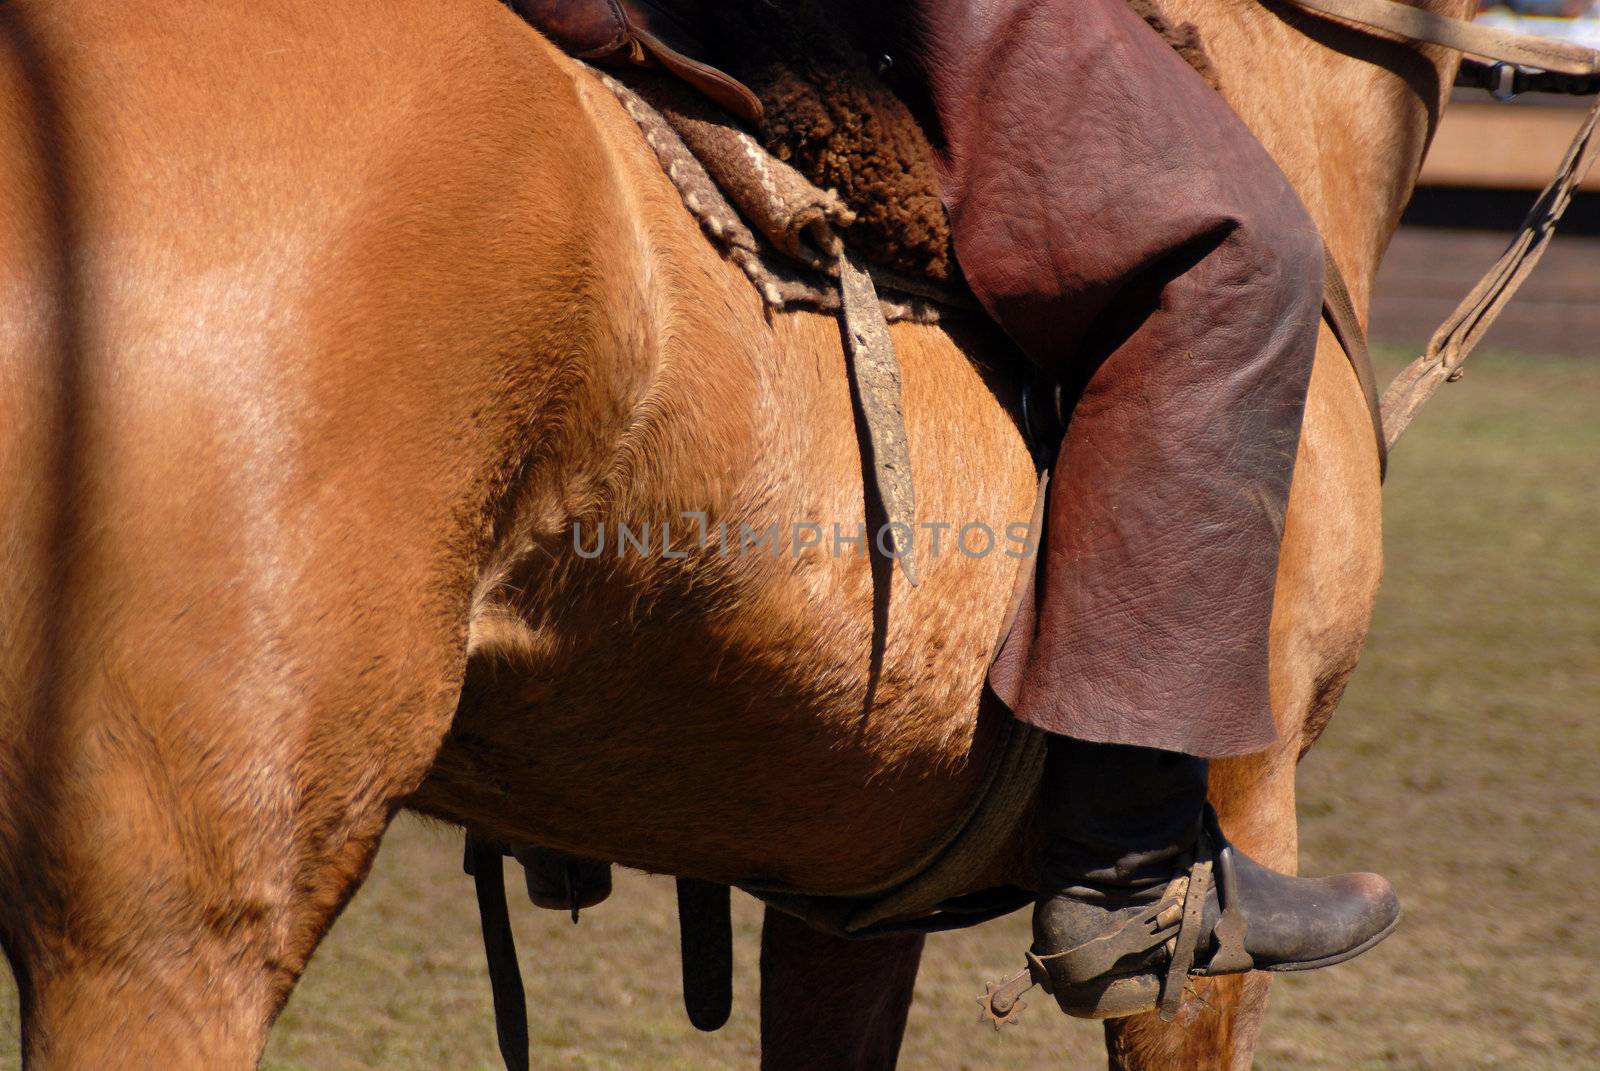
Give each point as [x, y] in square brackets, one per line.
[1463, 764]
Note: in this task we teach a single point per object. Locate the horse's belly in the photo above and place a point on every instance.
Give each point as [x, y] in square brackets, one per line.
[775, 703]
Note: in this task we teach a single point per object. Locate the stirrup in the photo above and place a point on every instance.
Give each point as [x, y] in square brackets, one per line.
[1177, 920]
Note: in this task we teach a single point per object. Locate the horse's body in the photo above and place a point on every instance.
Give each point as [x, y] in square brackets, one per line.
[323, 324]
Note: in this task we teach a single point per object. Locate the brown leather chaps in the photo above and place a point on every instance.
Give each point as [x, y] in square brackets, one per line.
[1133, 237]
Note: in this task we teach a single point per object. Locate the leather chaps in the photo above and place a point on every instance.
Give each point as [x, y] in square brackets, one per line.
[1134, 238]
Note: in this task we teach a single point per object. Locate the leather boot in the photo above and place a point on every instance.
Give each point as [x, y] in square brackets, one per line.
[1140, 889]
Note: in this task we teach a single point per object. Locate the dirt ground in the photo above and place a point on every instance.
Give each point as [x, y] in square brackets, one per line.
[1462, 764]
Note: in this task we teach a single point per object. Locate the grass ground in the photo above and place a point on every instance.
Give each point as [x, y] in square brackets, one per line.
[1462, 764]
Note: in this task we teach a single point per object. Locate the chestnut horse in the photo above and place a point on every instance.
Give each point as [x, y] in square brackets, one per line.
[324, 324]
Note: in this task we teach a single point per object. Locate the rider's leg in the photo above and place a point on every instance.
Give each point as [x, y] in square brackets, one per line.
[1133, 237]
[1122, 822]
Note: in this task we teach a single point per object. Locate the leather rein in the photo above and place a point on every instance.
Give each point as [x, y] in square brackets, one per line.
[1519, 63]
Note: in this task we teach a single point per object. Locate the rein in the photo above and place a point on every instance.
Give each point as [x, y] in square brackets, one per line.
[1521, 63]
[1426, 27]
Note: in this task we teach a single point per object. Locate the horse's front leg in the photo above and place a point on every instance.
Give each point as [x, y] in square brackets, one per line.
[1220, 1018]
[829, 1004]
[196, 816]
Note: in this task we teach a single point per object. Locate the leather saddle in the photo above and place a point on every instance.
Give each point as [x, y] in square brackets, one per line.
[641, 33]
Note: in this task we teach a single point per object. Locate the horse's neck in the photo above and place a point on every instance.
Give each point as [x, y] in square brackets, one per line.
[1348, 116]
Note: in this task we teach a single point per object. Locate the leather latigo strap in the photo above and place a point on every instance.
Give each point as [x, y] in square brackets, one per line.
[1339, 310]
[483, 862]
[644, 33]
[705, 935]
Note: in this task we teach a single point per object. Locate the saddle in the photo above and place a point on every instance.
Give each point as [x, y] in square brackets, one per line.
[640, 33]
[803, 86]
[831, 126]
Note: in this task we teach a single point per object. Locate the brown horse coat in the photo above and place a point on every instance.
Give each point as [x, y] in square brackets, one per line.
[320, 325]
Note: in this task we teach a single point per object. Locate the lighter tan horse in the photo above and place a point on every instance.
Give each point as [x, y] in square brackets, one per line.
[320, 327]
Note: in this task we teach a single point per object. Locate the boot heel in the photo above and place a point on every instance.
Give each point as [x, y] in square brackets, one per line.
[1110, 998]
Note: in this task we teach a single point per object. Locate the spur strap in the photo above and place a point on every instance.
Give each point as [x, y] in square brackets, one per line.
[1188, 943]
[1215, 866]
[1094, 958]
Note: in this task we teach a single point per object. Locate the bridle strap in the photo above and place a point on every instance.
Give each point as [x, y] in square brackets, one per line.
[1427, 27]
[1505, 81]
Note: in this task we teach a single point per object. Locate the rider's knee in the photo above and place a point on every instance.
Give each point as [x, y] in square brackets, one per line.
[1282, 250]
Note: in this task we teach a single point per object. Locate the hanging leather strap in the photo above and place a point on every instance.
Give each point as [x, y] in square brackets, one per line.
[484, 861]
[1416, 24]
[874, 371]
[1465, 328]
[705, 939]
